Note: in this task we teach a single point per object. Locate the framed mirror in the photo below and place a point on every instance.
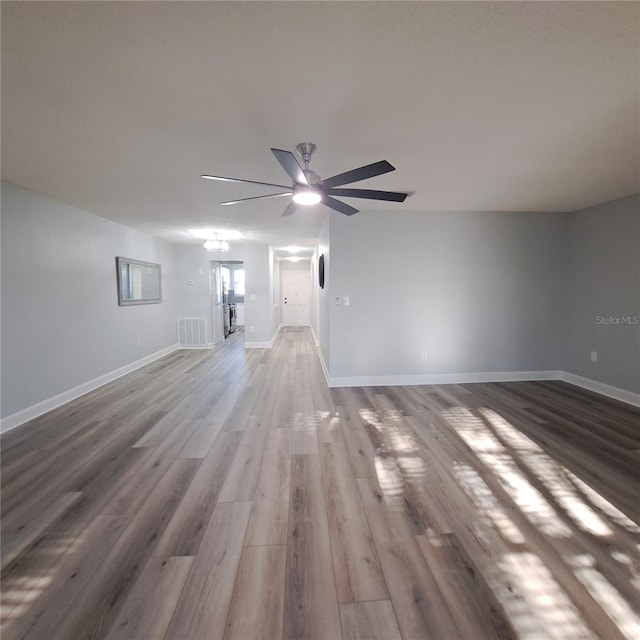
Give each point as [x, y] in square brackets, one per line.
[138, 282]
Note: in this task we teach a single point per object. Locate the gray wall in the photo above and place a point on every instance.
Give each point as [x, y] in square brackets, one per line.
[192, 263]
[193, 300]
[478, 291]
[61, 323]
[602, 293]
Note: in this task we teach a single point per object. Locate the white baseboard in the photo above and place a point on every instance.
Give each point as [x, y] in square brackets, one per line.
[315, 338]
[325, 370]
[629, 397]
[35, 410]
[441, 378]
[622, 395]
[599, 387]
[209, 345]
[264, 345]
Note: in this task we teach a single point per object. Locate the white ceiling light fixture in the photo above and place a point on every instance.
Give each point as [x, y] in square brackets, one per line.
[307, 197]
[207, 233]
[216, 244]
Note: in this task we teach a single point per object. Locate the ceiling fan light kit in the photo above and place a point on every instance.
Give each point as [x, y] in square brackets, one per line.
[308, 189]
[307, 197]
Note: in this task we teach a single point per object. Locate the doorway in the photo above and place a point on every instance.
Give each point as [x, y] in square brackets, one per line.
[296, 288]
[217, 302]
[227, 298]
[233, 292]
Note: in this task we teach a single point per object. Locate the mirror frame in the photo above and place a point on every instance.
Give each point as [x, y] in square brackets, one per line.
[321, 270]
[125, 302]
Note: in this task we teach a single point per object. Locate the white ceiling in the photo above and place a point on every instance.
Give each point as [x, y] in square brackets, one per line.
[118, 107]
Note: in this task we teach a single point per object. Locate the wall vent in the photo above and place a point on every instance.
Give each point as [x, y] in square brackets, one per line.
[192, 332]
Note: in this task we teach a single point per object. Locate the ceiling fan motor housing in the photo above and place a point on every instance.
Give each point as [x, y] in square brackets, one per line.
[305, 149]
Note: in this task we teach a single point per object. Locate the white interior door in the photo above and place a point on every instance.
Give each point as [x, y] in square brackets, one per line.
[217, 308]
[295, 298]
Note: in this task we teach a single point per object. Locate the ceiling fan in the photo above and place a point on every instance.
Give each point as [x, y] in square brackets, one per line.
[308, 188]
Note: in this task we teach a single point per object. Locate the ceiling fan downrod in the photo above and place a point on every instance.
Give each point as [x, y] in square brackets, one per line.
[305, 149]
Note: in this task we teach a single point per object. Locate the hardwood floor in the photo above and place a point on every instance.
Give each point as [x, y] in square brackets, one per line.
[230, 494]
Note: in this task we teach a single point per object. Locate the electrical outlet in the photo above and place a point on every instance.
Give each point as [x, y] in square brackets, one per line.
[139, 342]
[424, 355]
[337, 299]
[594, 356]
[252, 329]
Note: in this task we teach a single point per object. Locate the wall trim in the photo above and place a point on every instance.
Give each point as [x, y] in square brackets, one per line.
[208, 345]
[622, 395]
[35, 410]
[603, 389]
[264, 345]
[441, 378]
[315, 339]
[628, 397]
[325, 370]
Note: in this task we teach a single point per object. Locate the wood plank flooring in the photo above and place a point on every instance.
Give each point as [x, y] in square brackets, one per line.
[229, 494]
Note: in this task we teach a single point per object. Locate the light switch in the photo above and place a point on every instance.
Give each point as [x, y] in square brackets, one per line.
[345, 301]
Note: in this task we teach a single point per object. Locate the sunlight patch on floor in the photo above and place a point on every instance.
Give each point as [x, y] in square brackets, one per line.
[489, 511]
[629, 565]
[551, 473]
[387, 424]
[609, 598]
[389, 476]
[413, 468]
[530, 501]
[20, 595]
[544, 492]
[604, 505]
[334, 426]
[557, 615]
[496, 457]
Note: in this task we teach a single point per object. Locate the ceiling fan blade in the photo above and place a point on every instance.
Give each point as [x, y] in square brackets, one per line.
[370, 194]
[355, 175]
[270, 195]
[291, 208]
[341, 207]
[265, 184]
[291, 166]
